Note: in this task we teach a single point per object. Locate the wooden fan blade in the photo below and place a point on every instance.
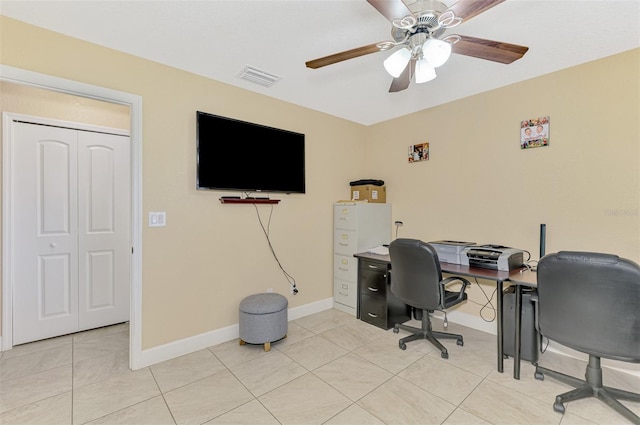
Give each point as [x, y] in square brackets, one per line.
[391, 9]
[487, 49]
[467, 9]
[402, 82]
[342, 56]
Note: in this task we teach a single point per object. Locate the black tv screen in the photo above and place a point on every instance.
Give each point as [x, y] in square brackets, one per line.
[242, 156]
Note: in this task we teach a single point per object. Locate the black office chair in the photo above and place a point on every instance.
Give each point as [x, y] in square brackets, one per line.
[590, 302]
[416, 280]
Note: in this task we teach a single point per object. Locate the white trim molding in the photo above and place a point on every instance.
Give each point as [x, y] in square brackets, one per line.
[47, 82]
[208, 339]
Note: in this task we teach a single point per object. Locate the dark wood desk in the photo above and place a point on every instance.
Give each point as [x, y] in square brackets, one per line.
[519, 277]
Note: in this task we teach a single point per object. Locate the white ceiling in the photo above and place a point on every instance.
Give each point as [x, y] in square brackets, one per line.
[217, 39]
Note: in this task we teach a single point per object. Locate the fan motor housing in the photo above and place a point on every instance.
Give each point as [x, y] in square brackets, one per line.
[426, 13]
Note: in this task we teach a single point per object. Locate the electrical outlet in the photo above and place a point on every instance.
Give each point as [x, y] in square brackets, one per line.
[294, 289]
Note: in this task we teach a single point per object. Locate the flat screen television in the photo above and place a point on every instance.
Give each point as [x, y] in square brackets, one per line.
[246, 157]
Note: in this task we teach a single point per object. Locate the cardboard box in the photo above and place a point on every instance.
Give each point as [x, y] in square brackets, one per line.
[369, 192]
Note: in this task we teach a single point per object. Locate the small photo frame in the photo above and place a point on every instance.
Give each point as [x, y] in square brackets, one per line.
[534, 133]
[419, 152]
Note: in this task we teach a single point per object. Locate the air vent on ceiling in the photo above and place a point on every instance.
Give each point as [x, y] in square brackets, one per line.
[259, 77]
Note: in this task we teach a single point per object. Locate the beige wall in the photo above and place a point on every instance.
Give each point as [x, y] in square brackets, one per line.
[198, 268]
[478, 185]
[36, 101]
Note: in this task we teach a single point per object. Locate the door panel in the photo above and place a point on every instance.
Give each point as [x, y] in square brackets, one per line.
[53, 186]
[54, 282]
[70, 243]
[44, 237]
[103, 222]
[100, 280]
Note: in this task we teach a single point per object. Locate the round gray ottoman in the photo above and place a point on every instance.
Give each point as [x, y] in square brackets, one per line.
[263, 319]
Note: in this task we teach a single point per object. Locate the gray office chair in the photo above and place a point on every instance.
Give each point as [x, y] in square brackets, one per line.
[416, 280]
[590, 302]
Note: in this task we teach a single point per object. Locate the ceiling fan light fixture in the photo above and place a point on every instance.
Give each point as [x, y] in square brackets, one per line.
[424, 71]
[397, 62]
[437, 52]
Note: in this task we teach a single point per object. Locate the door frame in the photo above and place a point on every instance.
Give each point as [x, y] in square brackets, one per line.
[24, 77]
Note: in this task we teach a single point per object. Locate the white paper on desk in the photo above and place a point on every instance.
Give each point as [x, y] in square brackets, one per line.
[380, 250]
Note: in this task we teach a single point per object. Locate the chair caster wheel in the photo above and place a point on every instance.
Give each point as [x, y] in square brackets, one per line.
[539, 376]
[558, 407]
[460, 342]
[504, 356]
[396, 330]
[402, 346]
[444, 355]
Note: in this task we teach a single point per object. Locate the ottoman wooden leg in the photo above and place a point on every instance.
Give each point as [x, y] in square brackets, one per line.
[267, 346]
[242, 342]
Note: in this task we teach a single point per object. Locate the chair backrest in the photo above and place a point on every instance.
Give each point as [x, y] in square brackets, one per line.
[591, 302]
[415, 273]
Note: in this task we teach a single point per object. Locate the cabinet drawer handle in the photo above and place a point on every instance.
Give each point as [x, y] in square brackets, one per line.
[372, 289]
[371, 266]
[343, 244]
[343, 269]
[343, 294]
[375, 316]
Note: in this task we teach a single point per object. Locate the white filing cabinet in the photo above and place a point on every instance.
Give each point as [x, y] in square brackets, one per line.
[357, 227]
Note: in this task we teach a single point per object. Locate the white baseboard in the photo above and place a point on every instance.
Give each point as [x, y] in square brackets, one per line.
[477, 323]
[470, 321]
[198, 342]
[344, 308]
[308, 309]
[184, 346]
[620, 366]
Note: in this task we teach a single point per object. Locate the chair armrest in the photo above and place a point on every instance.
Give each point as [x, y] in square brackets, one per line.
[462, 290]
[534, 300]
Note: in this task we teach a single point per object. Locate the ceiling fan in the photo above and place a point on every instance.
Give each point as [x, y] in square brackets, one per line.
[418, 30]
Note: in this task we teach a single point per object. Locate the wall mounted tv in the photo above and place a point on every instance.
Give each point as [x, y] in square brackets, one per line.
[246, 157]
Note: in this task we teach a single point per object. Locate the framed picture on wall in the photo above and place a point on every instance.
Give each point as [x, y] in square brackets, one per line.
[534, 133]
[419, 152]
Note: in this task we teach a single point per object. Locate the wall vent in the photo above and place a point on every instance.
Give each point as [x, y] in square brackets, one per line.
[259, 77]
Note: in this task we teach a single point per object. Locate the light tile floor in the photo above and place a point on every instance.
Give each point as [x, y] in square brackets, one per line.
[331, 369]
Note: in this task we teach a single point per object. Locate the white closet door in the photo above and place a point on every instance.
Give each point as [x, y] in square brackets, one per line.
[103, 224]
[44, 232]
[70, 234]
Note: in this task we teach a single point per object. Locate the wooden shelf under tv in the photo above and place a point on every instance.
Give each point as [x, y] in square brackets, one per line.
[248, 201]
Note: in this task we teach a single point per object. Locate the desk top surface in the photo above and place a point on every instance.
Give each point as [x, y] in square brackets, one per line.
[521, 276]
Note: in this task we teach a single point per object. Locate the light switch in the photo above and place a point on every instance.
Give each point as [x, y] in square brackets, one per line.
[157, 219]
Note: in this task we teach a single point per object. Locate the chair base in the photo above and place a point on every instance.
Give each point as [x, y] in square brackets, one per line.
[426, 332]
[591, 387]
